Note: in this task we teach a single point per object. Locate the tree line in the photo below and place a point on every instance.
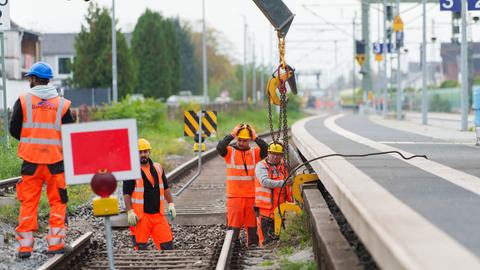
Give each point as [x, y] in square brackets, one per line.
[159, 58]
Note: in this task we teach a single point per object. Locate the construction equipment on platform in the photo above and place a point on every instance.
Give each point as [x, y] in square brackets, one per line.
[301, 179]
[298, 181]
[277, 13]
[296, 207]
[275, 83]
[281, 18]
[279, 213]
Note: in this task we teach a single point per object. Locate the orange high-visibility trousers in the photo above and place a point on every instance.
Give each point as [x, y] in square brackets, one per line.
[240, 213]
[265, 226]
[29, 190]
[156, 227]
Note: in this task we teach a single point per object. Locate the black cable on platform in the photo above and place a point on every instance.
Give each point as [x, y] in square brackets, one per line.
[290, 174]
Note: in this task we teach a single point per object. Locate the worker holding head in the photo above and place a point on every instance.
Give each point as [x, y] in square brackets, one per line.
[145, 203]
[241, 159]
[36, 122]
[270, 177]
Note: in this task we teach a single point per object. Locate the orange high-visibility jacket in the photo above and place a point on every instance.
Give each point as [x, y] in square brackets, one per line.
[41, 137]
[267, 198]
[139, 191]
[241, 171]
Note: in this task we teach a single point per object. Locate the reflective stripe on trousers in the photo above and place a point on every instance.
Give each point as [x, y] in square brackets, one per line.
[25, 239]
[55, 236]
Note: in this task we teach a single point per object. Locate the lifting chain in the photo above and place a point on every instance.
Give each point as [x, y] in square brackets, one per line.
[282, 117]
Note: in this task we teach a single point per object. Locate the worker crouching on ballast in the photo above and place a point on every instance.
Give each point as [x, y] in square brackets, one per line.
[145, 202]
[241, 160]
[270, 177]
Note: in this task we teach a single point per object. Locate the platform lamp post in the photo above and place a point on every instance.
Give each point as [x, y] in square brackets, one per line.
[104, 184]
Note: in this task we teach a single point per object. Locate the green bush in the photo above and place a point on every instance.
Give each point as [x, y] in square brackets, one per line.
[294, 104]
[296, 232]
[9, 160]
[439, 105]
[450, 84]
[148, 113]
[476, 81]
[190, 106]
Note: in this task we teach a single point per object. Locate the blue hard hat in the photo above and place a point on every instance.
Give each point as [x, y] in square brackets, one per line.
[41, 70]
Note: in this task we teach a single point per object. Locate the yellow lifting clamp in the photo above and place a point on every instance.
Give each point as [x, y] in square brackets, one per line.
[282, 75]
[284, 207]
[299, 180]
[275, 83]
[105, 206]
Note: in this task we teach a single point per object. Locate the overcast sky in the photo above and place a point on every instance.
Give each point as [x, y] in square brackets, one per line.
[310, 42]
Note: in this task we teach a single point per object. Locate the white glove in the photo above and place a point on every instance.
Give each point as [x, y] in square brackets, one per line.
[171, 210]
[132, 218]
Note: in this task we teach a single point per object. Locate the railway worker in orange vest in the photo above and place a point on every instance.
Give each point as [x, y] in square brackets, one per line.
[36, 122]
[270, 176]
[145, 203]
[241, 159]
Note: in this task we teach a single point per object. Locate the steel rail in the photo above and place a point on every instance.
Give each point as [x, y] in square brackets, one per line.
[59, 261]
[226, 252]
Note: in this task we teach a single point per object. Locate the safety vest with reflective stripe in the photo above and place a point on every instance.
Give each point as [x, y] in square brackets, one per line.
[263, 195]
[139, 191]
[241, 171]
[41, 137]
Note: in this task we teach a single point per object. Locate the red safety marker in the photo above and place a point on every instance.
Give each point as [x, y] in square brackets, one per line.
[109, 146]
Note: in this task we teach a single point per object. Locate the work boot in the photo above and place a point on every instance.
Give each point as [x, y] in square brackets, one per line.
[66, 249]
[24, 254]
[142, 246]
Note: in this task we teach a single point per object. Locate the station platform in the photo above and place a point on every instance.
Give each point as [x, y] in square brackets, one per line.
[410, 214]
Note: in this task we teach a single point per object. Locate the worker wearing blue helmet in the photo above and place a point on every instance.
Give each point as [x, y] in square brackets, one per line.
[40, 70]
[36, 122]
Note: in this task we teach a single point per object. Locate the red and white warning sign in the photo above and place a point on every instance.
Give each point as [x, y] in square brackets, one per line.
[104, 145]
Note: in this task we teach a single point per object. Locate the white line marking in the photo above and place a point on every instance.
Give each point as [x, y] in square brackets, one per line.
[459, 178]
[427, 143]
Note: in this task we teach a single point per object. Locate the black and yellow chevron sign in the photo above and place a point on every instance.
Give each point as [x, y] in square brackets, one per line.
[209, 123]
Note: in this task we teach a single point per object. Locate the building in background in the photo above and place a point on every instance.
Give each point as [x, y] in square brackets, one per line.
[450, 53]
[59, 51]
[22, 49]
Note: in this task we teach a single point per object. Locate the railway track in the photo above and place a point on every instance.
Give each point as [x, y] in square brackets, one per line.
[90, 256]
[79, 248]
[221, 252]
[8, 185]
[234, 255]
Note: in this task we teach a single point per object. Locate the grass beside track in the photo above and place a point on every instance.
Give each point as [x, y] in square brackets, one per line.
[166, 137]
[293, 238]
